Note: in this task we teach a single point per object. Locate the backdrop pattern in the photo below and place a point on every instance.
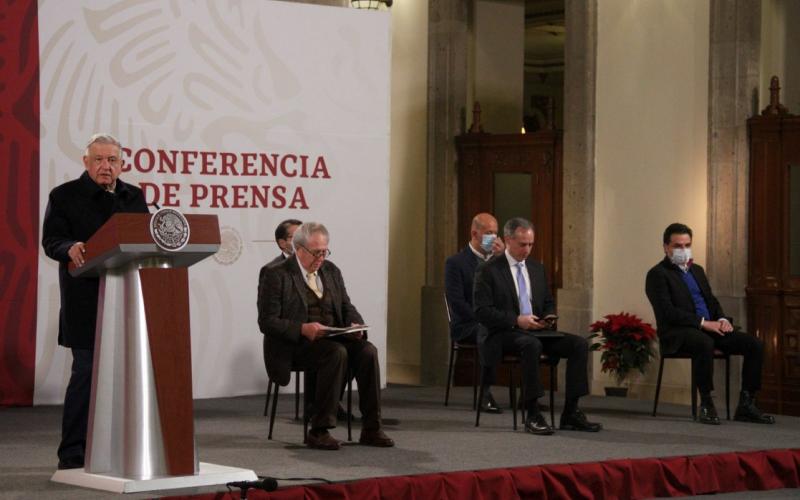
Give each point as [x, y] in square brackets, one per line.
[256, 112]
[19, 199]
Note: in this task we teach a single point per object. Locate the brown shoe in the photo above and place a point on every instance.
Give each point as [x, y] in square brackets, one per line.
[321, 440]
[375, 438]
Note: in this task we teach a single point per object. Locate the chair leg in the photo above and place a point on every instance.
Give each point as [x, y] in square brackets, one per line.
[694, 393]
[522, 395]
[658, 385]
[728, 387]
[510, 389]
[513, 390]
[266, 401]
[349, 406]
[450, 365]
[553, 395]
[297, 395]
[478, 409]
[476, 363]
[306, 403]
[274, 407]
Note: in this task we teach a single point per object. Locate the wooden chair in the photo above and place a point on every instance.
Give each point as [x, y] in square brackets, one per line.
[455, 348]
[682, 355]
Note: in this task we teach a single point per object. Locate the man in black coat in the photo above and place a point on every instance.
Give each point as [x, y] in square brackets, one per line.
[459, 272]
[283, 237]
[75, 211]
[690, 319]
[297, 300]
[513, 301]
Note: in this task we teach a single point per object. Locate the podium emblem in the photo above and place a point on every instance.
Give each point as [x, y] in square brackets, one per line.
[230, 248]
[170, 229]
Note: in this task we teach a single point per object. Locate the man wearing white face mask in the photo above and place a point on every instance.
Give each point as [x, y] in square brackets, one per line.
[691, 320]
[459, 270]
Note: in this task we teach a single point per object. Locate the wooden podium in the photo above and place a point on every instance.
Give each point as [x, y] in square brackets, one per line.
[141, 427]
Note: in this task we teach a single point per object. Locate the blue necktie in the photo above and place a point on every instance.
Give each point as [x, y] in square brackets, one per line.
[524, 298]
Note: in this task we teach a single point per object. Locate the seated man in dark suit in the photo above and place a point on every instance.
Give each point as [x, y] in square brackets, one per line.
[513, 301]
[283, 237]
[691, 320]
[297, 299]
[459, 271]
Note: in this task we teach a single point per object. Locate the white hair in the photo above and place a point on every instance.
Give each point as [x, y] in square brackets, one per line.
[102, 138]
[304, 232]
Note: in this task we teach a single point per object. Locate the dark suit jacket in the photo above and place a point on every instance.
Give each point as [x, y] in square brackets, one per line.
[496, 303]
[459, 273]
[282, 310]
[75, 211]
[277, 260]
[672, 302]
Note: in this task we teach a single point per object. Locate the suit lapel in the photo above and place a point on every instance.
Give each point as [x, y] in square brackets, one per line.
[299, 281]
[509, 278]
[329, 287]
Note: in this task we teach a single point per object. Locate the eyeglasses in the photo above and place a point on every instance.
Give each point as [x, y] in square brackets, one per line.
[319, 254]
[112, 160]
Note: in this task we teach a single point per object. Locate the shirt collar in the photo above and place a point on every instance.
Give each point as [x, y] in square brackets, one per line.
[300, 265]
[512, 261]
[478, 253]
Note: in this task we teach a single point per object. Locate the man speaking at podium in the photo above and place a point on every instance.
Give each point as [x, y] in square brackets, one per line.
[297, 300]
[75, 211]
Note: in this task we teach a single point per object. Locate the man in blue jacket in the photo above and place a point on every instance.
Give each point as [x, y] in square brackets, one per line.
[690, 319]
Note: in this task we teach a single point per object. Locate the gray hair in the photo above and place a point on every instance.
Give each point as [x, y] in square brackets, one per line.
[304, 232]
[102, 138]
[515, 223]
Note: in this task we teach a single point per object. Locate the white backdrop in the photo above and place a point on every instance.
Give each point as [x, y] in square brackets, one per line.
[242, 78]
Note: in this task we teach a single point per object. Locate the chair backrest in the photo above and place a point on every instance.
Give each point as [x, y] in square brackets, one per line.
[447, 308]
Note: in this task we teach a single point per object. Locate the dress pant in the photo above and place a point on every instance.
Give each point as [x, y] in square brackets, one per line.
[700, 345]
[76, 406]
[326, 361]
[528, 347]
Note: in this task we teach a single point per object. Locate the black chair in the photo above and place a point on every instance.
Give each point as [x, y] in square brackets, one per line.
[514, 361]
[455, 348]
[274, 388]
[682, 355]
[296, 396]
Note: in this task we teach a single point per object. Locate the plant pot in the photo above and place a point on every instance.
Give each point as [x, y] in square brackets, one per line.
[617, 392]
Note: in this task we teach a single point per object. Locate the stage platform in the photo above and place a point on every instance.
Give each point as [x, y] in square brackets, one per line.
[430, 438]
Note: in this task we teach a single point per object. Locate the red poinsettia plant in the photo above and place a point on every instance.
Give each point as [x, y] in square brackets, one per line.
[626, 341]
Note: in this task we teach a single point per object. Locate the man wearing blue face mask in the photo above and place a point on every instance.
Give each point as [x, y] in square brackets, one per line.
[459, 271]
[690, 319]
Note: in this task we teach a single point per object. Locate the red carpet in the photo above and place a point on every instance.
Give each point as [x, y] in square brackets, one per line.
[634, 478]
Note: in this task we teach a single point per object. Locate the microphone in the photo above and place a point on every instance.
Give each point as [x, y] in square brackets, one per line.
[264, 484]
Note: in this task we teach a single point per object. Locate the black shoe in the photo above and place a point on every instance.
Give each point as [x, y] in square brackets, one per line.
[70, 463]
[489, 405]
[708, 414]
[576, 421]
[747, 411]
[536, 424]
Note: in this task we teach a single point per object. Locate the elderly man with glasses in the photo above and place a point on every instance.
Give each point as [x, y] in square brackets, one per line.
[298, 300]
[75, 211]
